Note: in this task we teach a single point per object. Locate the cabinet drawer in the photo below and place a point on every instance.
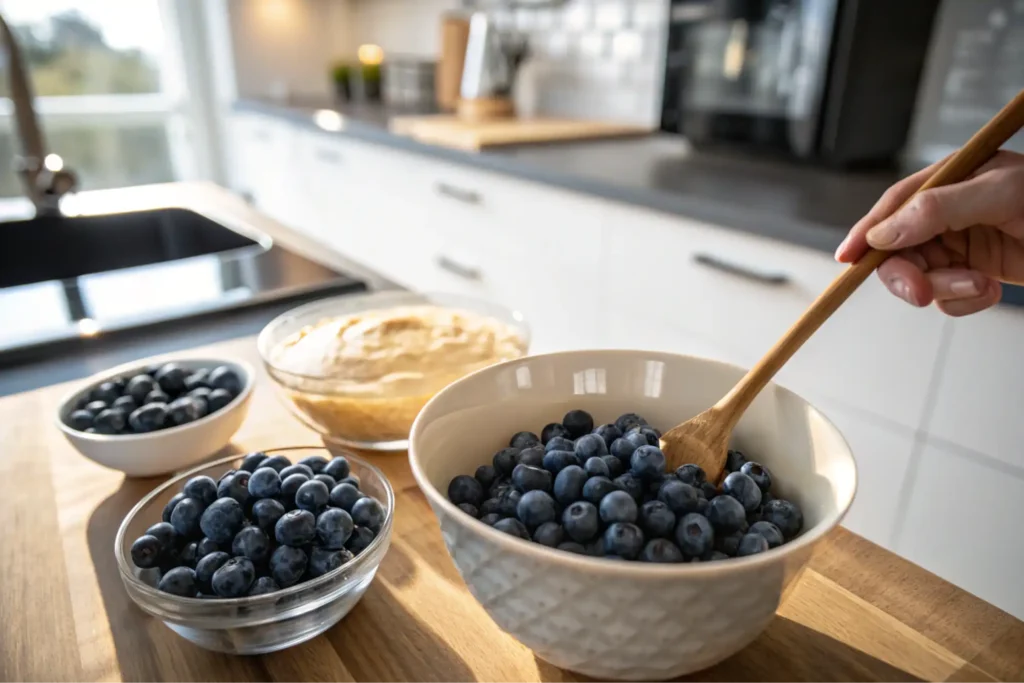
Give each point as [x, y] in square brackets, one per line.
[742, 293]
[263, 163]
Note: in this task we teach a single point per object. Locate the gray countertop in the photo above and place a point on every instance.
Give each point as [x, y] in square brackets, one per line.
[800, 204]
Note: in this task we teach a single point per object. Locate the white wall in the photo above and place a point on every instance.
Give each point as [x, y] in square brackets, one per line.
[401, 27]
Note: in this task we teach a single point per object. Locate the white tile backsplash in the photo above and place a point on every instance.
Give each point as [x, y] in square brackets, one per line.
[611, 15]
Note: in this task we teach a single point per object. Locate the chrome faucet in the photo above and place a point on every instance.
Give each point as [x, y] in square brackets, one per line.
[45, 181]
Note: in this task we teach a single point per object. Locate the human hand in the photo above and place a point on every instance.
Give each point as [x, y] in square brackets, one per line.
[953, 244]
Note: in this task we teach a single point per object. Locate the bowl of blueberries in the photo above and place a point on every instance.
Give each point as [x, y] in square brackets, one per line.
[252, 554]
[153, 417]
[560, 513]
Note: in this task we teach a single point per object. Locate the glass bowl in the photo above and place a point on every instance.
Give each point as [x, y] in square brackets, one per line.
[360, 410]
[262, 623]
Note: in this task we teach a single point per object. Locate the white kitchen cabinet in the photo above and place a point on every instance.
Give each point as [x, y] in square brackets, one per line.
[977, 398]
[963, 523]
[741, 292]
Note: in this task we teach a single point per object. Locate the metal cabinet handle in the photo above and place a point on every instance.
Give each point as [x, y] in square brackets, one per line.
[458, 194]
[775, 279]
[459, 269]
[328, 156]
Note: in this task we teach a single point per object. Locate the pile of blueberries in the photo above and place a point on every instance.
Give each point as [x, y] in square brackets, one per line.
[604, 492]
[164, 396]
[266, 526]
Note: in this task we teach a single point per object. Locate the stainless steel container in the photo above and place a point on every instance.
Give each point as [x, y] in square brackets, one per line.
[409, 82]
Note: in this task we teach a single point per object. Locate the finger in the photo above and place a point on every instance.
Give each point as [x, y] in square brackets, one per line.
[992, 198]
[961, 307]
[949, 284]
[855, 244]
[905, 280]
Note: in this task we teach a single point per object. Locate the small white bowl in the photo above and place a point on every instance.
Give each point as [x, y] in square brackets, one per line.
[626, 620]
[165, 450]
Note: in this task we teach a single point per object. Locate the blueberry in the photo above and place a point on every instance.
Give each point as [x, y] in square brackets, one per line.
[163, 532]
[106, 392]
[206, 567]
[360, 540]
[312, 496]
[486, 475]
[751, 544]
[523, 440]
[499, 487]
[171, 378]
[508, 503]
[628, 421]
[623, 539]
[617, 506]
[726, 514]
[217, 399]
[264, 483]
[680, 498]
[652, 435]
[146, 552]
[323, 561]
[535, 508]
[506, 460]
[526, 478]
[337, 467]
[465, 489]
[550, 534]
[656, 519]
[691, 474]
[266, 512]
[333, 528]
[179, 581]
[709, 490]
[614, 465]
[126, 404]
[158, 395]
[578, 423]
[205, 547]
[148, 418]
[728, 544]
[590, 446]
[236, 486]
[139, 387]
[80, 420]
[469, 510]
[556, 461]
[735, 461]
[596, 546]
[742, 488]
[771, 533]
[572, 547]
[202, 396]
[222, 520]
[694, 535]
[350, 479]
[622, 449]
[596, 488]
[197, 380]
[560, 443]
[489, 506]
[287, 565]
[201, 489]
[661, 550]
[552, 430]
[223, 377]
[631, 485]
[109, 421]
[715, 556]
[189, 554]
[647, 462]
[344, 496]
[652, 486]
[368, 512]
[569, 483]
[169, 507]
[296, 469]
[532, 456]
[759, 474]
[264, 585]
[785, 515]
[251, 542]
[186, 409]
[597, 467]
[581, 521]
[295, 528]
[326, 479]
[290, 487]
[185, 518]
[278, 462]
[609, 433]
[512, 527]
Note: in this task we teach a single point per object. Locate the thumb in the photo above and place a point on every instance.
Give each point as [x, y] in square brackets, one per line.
[992, 198]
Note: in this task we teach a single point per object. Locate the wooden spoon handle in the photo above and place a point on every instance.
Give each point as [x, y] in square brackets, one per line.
[968, 159]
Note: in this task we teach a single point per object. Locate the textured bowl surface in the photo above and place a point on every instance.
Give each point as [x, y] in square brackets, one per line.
[264, 623]
[625, 620]
[165, 450]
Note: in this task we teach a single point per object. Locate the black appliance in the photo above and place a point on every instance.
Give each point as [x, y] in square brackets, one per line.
[829, 81]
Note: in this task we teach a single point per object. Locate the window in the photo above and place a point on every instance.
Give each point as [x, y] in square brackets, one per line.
[109, 83]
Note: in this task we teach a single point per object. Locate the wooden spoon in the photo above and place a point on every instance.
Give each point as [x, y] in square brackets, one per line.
[704, 439]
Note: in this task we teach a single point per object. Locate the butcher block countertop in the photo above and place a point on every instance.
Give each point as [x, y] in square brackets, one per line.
[857, 613]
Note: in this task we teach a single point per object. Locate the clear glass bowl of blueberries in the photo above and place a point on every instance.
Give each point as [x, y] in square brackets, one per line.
[255, 553]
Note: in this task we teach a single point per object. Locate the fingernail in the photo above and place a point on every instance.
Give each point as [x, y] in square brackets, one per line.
[900, 288]
[841, 247]
[964, 287]
[884, 234]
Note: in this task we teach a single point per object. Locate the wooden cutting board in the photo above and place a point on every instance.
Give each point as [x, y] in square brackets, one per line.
[857, 613]
[451, 131]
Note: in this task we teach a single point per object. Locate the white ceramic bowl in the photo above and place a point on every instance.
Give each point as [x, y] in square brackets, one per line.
[166, 450]
[626, 620]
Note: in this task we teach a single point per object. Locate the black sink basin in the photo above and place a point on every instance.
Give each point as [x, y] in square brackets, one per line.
[60, 248]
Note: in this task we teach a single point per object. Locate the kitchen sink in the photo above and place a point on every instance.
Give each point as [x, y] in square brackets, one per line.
[59, 247]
